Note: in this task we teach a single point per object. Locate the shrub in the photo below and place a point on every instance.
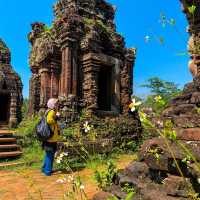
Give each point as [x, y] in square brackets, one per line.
[26, 130]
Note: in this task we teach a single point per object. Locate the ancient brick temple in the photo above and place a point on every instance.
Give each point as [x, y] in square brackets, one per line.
[10, 90]
[183, 110]
[81, 55]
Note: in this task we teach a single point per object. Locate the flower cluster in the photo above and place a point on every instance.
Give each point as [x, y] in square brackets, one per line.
[66, 179]
[61, 156]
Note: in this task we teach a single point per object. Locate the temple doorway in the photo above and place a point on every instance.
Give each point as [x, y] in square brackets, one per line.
[105, 88]
[4, 108]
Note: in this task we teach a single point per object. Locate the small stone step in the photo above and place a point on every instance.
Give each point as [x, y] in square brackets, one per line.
[6, 132]
[9, 146]
[7, 140]
[4, 126]
[10, 154]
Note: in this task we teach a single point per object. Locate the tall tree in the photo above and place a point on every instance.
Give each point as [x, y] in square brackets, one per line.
[165, 89]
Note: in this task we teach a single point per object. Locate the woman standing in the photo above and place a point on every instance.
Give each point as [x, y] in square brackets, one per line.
[50, 146]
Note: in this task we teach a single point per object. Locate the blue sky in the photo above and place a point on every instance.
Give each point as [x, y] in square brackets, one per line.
[135, 20]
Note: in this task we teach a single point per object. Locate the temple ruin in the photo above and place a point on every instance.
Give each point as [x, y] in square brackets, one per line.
[183, 110]
[10, 90]
[81, 55]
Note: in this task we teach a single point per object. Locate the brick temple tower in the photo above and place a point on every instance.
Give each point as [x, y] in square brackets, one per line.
[10, 90]
[81, 55]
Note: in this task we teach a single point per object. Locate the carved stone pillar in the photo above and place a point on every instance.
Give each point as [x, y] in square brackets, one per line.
[125, 90]
[34, 92]
[69, 71]
[75, 70]
[44, 86]
[54, 82]
[90, 83]
[65, 80]
[127, 80]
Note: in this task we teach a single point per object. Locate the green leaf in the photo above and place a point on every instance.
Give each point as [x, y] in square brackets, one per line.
[129, 196]
[157, 156]
[192, 9]
[173, 135]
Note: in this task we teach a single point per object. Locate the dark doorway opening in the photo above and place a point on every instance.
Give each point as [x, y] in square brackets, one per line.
[4, 108]
[104, 85]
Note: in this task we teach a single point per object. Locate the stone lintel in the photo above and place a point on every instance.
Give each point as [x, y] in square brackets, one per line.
[67, 42]
[100, 58]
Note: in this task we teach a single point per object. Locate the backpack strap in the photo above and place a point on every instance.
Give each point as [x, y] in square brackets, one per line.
[47, 112]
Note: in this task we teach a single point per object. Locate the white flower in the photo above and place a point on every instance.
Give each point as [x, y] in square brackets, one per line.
[82, 187]
[86, 126]
[61, 155]
[134, 104]
[66, 153]
[58, 161]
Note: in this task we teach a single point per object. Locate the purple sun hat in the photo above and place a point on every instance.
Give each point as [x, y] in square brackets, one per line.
[52, 103]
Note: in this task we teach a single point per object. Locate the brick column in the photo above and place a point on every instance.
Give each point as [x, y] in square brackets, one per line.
[66, 76]
[69, 71]
[34, 92]
[90, 84]
[75, 71]
[54, 80]
[44, 87]
[127, 80]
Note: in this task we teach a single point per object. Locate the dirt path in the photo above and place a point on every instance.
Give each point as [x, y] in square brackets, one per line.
[31, 184]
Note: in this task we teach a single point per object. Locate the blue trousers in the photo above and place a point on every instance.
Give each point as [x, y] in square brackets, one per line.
[48, 162]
